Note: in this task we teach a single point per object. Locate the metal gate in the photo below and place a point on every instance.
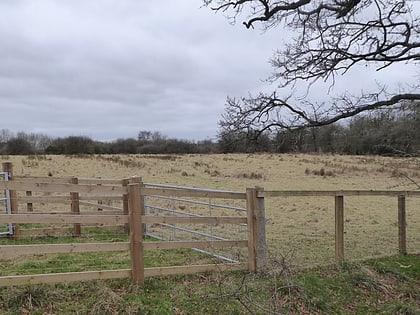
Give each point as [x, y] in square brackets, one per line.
[5, 229]
[171, 206]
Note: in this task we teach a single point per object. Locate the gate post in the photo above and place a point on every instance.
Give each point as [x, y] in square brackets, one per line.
[135, 205]
[257, 248]
[8, 167]
[125, 183]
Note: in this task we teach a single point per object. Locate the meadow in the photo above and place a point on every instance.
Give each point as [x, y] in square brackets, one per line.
[299, 228]
[301, 277]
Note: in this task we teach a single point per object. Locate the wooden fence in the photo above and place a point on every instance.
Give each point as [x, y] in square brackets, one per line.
[131, 216]
[131, 192]
[339, 210]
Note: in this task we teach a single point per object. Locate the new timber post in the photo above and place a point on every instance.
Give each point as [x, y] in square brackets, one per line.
[8, 168]
[257, 248]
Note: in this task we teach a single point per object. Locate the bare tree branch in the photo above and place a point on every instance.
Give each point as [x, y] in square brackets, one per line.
[331, 37]
[266, 112]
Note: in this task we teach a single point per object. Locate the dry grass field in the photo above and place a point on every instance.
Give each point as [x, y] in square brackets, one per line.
[301, 228]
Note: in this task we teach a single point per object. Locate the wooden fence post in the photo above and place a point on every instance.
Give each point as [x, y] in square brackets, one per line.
[257, 249]
[339, 229]
[75, 207]
[261, 235]
[8, 167]
[402, 224]
[125, 182]
[250, 206]
[135, 205]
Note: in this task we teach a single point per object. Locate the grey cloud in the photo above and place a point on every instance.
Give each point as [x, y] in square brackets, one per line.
[108, 68]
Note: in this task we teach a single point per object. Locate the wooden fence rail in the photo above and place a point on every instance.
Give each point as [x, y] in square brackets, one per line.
[136, 245]
[333, 193]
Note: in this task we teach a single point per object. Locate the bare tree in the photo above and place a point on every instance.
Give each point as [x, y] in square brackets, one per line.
[330, 37]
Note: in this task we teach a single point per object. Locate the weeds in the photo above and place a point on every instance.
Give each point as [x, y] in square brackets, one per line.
[30, 163]
[251, 175]
[173, 170]
[30, 298]
[267, 292]
[364, 288]
[208, 168]
[168, 157]
[129, 163]
[110, 302]
[200, 164]
[212, 173]
[321, 172]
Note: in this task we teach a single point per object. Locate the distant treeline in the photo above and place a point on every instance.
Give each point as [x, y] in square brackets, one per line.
[394, 132]
[147, 142]
[387, 132]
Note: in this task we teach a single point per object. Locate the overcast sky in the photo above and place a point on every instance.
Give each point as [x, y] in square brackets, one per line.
[108, 69]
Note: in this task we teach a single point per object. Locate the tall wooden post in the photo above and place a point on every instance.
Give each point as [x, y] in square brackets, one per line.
[125, 183]
[135, 205]
[261, 234]
[339, 229]
[402, 224]
[257, 249]
[8, 167]
[250, 206]
[75, 207]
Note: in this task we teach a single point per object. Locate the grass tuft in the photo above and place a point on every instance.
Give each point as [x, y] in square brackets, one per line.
[368, 287]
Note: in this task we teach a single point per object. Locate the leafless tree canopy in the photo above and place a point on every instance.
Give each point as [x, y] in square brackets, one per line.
[330, 37]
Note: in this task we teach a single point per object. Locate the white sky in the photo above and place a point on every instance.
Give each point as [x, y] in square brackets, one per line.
[108, 69]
